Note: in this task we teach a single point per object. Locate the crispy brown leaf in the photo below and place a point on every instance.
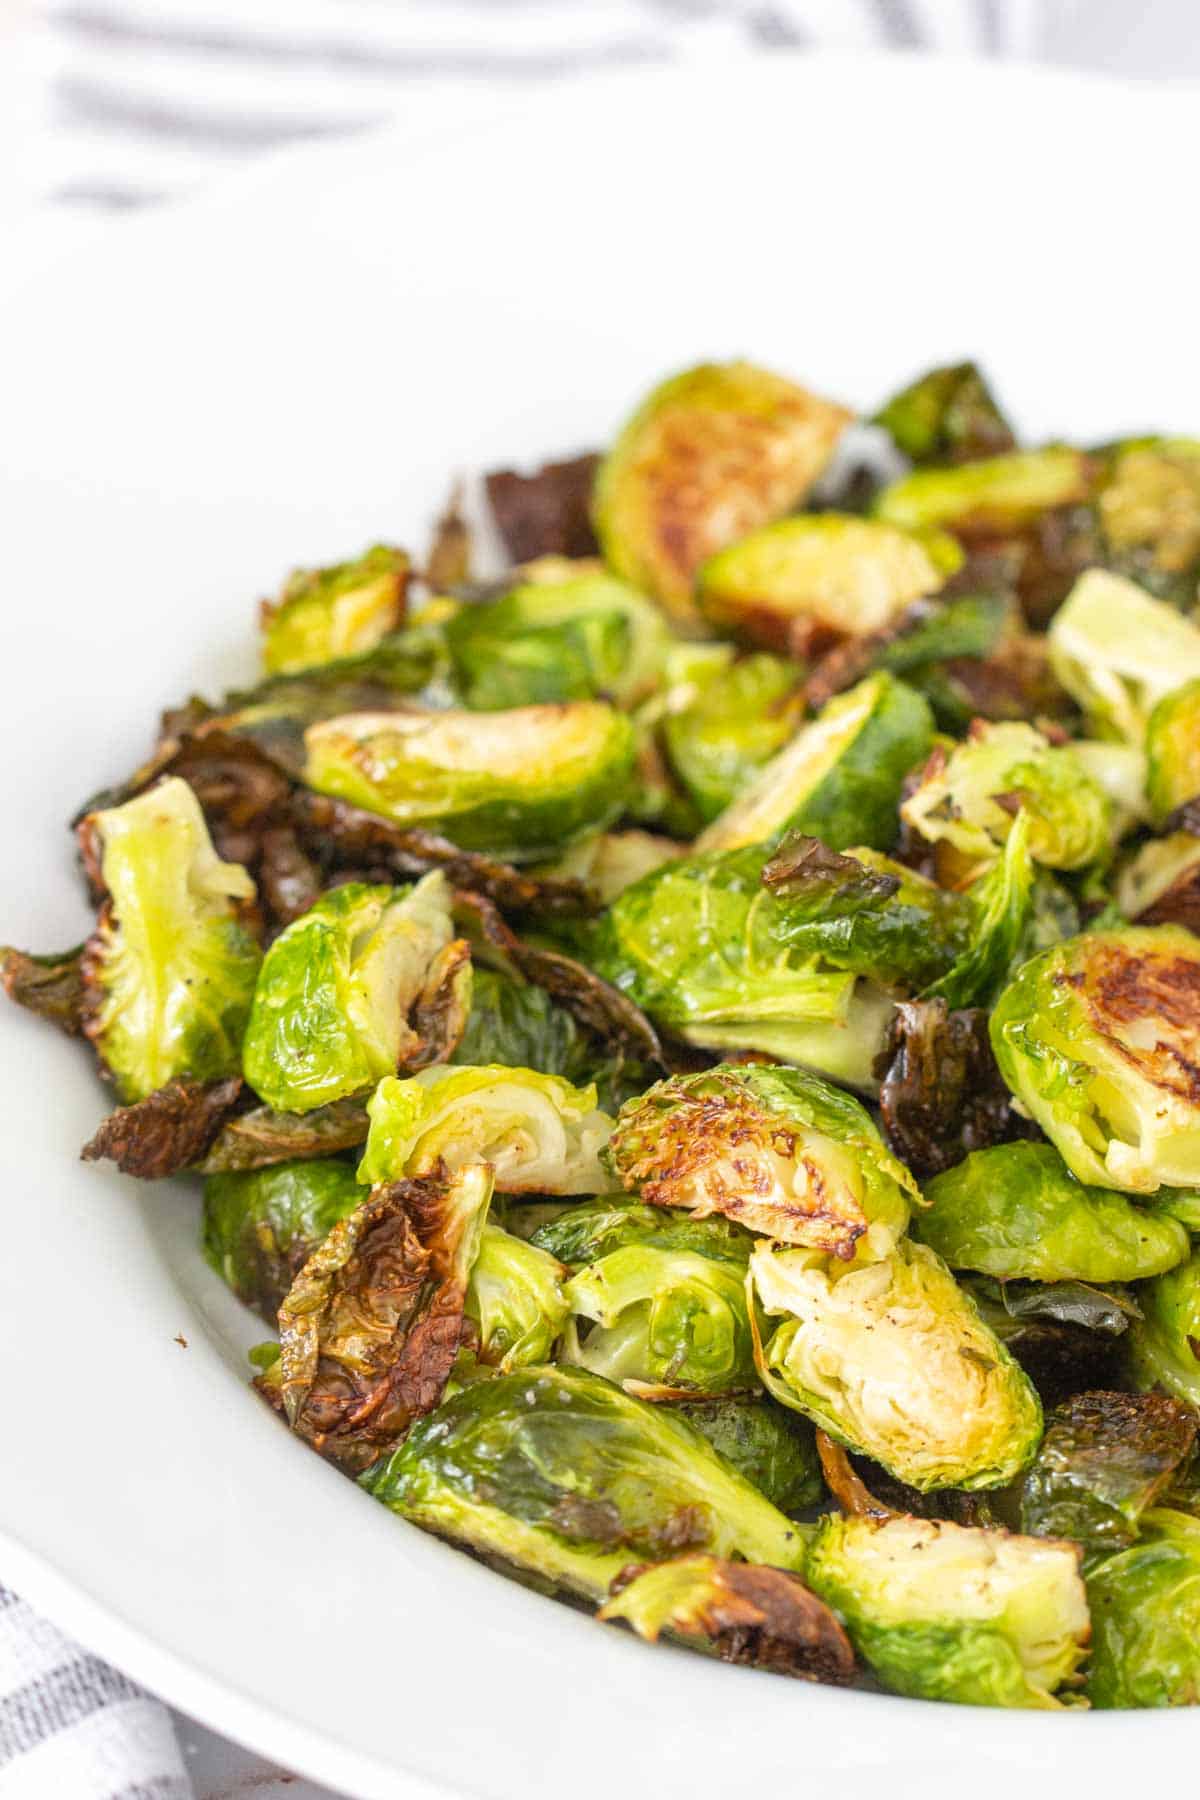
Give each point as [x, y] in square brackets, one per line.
[168, 1131]
[261, 1137]
[372, 1324]
[289, 881]
[1178, 904]
[50, 986]
[941, 1094]
[846, 1484]
[443, 1006]
[547, 513]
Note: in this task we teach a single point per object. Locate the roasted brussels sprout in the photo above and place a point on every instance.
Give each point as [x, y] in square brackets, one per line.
[371, 1325]
[892, 1359]
[706, 950]
[1173, 751]
[324, 614]
[1160, 885]
[1149, 513]
[776, 1149]
[948, 415]
[840, 777]
[969, 797]
[591, 1229]
[771, 1446]
[952, 1612]
[516, 1301]
[710, 455]
[564, 1476]
[260, 1138]
[1017, 1212]
[261, 1226]
[520, 783]
[1099, 1039]
[764, 1618]
[803, 584]
[1118, 652]
[735, 722]
[539, 1134]
[1105, 1458]
[170, 970]
[988, 497]
[1164, 1342]
[583, 637]
[333, 996]
[1145, 1607]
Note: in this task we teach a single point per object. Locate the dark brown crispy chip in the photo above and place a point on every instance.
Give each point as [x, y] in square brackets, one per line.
[547, 513]
[168, 1131]
[941, 1094]
[50, 986]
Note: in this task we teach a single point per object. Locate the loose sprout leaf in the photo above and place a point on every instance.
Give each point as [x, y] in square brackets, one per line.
[1017, 1212]
[260, 1138]
[950, 1612]
[1099, 1039]
[372, 1323]
[1145, 1607]
[941, 1094]
[166, 1131]
[546, 513]
[1110, 1310]
[516, 1301]
[261, 1226]
[710, 455]
[442, 1009]
[343, 610]
[892, 1359]
[49, 986]
[563, 1476]
[1105, 1458]
[760, 1617]
[1003, 903]
[948, 415]
[772, 1148]
[1065, 1335]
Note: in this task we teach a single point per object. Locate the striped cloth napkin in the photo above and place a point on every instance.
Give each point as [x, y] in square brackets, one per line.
[121, 104]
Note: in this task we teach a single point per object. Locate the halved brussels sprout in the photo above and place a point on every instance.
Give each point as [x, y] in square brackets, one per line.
[325, 614]
[1016, 1212]
[765, 1618]
[1118, 652]
[710, 455]
[775, 1149]
[1146, 1617]
[706, 950]
[771, 1446]
[1105, 1458]
[1164, 1342]
[169, 971]
[581, 637]
[803, 584]
[892, 1359]
[969, 797]
[520, 783]
[516, 1301]
[953, 1612]
[539, 1134]
[371, 1325]
[948, 415]
[1099, 1039]
[332, 1001]
[994, 495]
[732, 725]
[1173, 751]
[563, 1475]
[1149, 510]
[262, 1225]
[840, 777]
[664, 1322]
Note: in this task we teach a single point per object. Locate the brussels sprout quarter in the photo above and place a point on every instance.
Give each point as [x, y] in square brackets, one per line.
[1118, 652]
[773, 1148]
[948, 415]
[521, 783]
[1017, 1212]
[332, 1000]
[968, 798]
[262, 1225]
[1173, 751]
[840, 777]
[1105, 1458]
[561, 1474]
[516, 1301]
[892, 1359]
[802, 585]
[709, 456]
[325, 614]
[764, 1618]
[1099, 1039]
[169, 971]
[539, 1134]
[1146, 1618]
[952, 1612]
